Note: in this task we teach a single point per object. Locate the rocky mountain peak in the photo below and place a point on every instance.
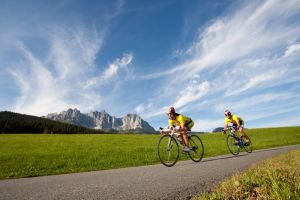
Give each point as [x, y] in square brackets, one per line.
[102, 120]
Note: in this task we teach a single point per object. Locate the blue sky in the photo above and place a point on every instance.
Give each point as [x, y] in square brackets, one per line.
[133, 56]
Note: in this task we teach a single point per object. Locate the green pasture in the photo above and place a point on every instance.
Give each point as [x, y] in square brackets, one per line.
[27, 155]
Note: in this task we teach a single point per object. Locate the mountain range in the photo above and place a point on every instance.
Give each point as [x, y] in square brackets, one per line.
[15, 123]
[103, 121]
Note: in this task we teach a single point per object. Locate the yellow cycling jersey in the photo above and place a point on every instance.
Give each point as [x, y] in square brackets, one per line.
[180, 120]
[234, 119]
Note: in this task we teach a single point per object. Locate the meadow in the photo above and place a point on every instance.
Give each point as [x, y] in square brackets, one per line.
[28, 155]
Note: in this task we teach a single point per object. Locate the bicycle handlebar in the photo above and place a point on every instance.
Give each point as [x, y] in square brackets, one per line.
[229, 128]
[169, 131]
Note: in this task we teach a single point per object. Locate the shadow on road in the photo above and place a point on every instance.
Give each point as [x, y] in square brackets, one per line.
[209, 159]
[223, 158]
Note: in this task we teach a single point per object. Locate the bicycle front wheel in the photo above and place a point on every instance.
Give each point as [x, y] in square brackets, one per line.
[247, 144]
[168, 150]
[197, 150]
[233, 145]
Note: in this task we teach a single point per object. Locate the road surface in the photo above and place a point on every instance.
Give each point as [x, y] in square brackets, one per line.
[181, 181]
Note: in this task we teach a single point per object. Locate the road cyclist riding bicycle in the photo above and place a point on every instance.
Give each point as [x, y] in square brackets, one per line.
[173, 139]
[237, 123]
[185, 124]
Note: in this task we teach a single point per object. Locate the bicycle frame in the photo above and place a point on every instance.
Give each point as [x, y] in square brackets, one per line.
[168, 146]
[240, 142]
[174, 132]
[232, 131]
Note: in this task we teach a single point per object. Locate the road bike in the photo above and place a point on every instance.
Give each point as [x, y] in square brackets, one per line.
[235, 144]
[169, 144]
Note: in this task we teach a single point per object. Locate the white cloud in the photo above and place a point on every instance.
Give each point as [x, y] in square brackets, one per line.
[113, 68]
[272, 112]
[292, 49]
[192, 92]
[143, 107]
[231, 38]
[237, 54]
[140, 108]
[237, 36]
[295, 121]
[243, 34]
[110, 72]
[39, 92]
[251, 102]
[55, 83]
[73, 50]
[261, 79]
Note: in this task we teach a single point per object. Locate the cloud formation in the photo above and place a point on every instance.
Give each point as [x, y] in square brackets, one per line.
[50, 84]
[238, 56]
[57, 82]
[102, 57]
[111, 71]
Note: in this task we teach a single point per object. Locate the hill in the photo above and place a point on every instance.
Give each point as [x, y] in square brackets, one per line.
[19, 123]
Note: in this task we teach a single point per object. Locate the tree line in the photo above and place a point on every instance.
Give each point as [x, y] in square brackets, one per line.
[20, 123]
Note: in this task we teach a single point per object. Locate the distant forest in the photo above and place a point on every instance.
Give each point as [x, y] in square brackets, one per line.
[19, 123]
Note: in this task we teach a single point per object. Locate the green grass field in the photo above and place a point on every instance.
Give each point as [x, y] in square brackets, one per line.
[27, 155]
[276, 178]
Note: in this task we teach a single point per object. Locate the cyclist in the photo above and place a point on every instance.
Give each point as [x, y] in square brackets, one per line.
[185, 124]
[237, 123]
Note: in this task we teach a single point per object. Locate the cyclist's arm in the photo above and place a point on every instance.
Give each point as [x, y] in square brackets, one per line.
[182, 127]
[171, 123]
[239, 124]
[225, 126]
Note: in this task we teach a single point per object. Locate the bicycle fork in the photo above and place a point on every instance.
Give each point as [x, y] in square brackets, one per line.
[170, 144]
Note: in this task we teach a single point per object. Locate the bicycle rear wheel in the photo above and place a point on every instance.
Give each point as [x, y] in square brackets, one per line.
[168, 150]
[247, 144]
[197, 150]
[233, 145]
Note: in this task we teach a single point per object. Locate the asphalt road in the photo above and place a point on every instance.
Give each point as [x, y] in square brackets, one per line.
[181, 181]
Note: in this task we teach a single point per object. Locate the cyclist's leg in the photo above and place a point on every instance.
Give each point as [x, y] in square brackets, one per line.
[243, 134]
[188, 127]
[184, 136]
[241, 129]
[235, 130]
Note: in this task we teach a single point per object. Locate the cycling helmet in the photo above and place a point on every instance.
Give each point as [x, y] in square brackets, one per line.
[171, 110]
[227, 113]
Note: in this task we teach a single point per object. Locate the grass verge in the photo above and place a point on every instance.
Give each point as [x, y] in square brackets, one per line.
[276, 178]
